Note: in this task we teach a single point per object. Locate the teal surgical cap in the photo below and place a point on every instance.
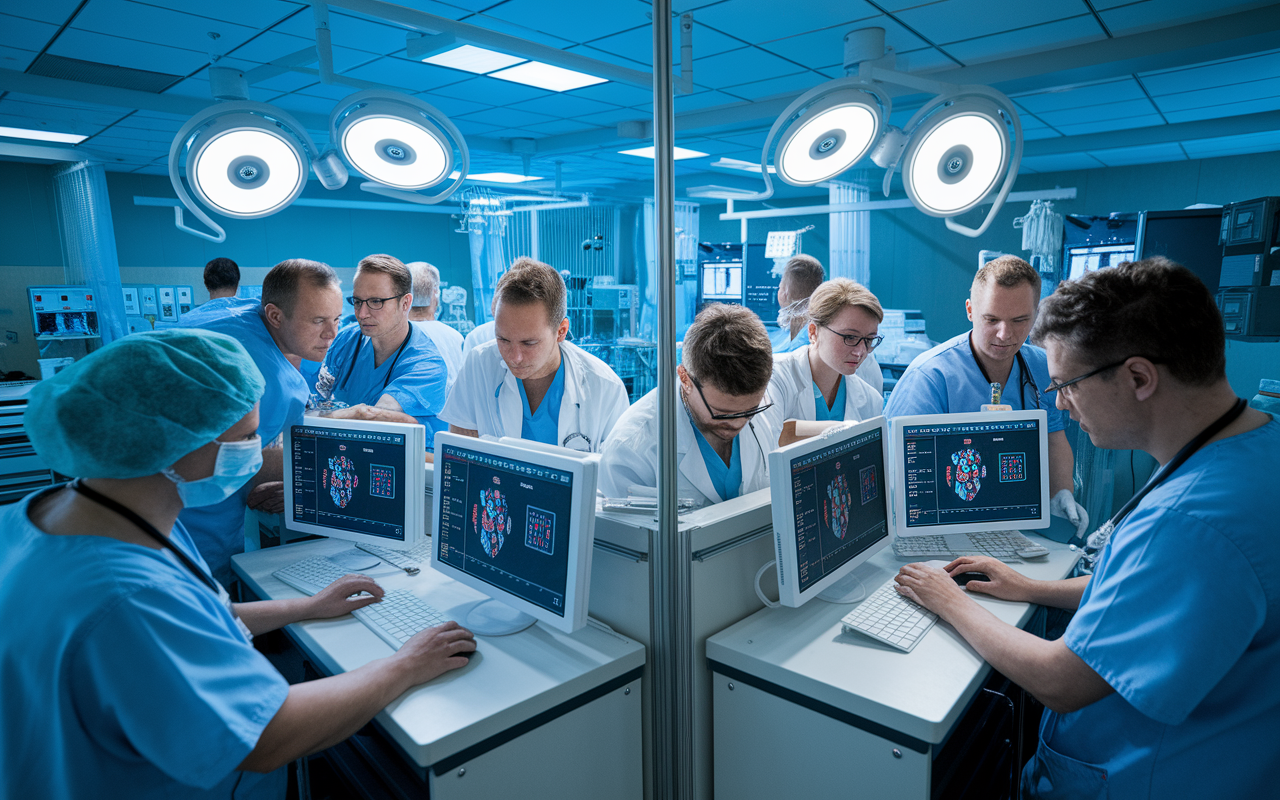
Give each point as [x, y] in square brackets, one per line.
[141, 403]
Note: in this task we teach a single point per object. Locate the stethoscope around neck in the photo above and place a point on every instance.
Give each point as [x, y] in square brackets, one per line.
[1024, 375]
[355, 354]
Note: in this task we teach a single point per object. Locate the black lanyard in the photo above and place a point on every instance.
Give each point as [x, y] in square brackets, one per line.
[1180, 458]
[360, 342]
[1024, 376]
[145, 527]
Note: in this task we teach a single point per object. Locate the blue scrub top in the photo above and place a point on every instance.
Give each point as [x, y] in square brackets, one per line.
[947, 380]
[1190, 648]
[201, 315]
[727, 479]
[836, 412]
[417, 380]
[218, 530]
[802, 339]
[133, 678]
[544, 426]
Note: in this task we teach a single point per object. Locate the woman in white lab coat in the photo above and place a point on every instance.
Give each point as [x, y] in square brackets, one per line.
[817, 382]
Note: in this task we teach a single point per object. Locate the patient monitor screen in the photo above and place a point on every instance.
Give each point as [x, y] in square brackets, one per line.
[971, 472]
[506, 522]
[349, 480]
[840, 504]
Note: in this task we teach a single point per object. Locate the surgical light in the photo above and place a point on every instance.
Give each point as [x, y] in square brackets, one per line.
[400, 143]
[245, 160]
[833, 130]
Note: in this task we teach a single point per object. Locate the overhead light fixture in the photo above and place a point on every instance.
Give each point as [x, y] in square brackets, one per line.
[400, 143]
[547, 76]
[953, 152]
[245, 160]
[42, 136]
[470, 58]
[681, 153]
[502, 177]
[741, 166]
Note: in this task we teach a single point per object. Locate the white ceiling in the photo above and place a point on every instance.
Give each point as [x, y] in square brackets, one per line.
[1097, 82]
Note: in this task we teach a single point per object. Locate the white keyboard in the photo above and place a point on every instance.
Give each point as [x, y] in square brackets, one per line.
[399, 615]
[888, 617]
[310, 575]
[410, 560]
[1002, 545]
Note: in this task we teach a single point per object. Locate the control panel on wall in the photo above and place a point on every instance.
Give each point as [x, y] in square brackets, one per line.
[1250, 236]
[168, 303]
[184, 299]
[63, 312]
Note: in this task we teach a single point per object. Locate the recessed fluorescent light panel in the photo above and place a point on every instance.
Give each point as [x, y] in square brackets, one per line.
[473, 59]
[502, 177]
[743, 166]
[681, 153]
[44, 136]
[545, 76]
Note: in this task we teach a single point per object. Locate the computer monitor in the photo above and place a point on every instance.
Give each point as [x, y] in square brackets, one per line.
[722, 281]
[830, 509]
[356, 480]
[1081, 260]
[515, 520]
[63, 312]
[967, 473]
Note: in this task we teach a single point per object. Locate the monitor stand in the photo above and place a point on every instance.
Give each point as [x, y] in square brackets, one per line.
[494, 618]
[355, 560]
[848, 589]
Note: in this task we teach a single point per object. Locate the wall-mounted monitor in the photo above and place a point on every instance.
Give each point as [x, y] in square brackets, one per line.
[63, 312]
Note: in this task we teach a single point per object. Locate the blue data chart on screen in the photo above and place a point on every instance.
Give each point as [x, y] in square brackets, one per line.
[839, 504]
[972, 472]
[341, 479]
[506, 522]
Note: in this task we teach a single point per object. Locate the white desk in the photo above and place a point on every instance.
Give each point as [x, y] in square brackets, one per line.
[801, 707]
[538, 714]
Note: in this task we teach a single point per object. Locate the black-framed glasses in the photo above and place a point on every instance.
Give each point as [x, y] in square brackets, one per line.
[374, 303]
[739, 415]
[1055, 385]
[870, 342]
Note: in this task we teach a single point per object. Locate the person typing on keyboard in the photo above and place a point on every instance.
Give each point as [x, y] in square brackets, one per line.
[1164, 683]
[127, 668]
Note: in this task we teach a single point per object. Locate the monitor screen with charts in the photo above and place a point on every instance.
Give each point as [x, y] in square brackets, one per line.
[722, 281]
[515, 521]
[967, 473]
[1090, 259]
[830, 505]
[356, 480]
[63, 312]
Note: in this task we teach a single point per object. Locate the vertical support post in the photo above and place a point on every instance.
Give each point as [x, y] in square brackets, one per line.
[671, 642]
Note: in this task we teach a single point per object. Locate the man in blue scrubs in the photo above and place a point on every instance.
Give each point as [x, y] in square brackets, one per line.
[296, 319]
[801, 277]
[1164, 684]
[384, 368]
[956, 376]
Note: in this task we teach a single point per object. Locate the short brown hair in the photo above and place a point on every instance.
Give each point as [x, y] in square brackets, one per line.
[401, 278]
[529, 281]
[728, 347]
[837, 294]
[285, 280]
[1154, 308]
[1007, 271]
[802, 275]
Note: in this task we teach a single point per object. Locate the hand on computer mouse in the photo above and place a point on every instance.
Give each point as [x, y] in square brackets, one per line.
[1002, 581]
[437, 650]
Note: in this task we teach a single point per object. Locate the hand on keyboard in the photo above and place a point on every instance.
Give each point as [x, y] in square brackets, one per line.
[343, 596]
[1006, 583]
[435, 651]
[930, 586]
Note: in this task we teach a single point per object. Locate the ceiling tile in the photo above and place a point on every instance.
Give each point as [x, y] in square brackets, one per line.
[574, 20]
[558, 126]
[25, 34]
[15, 59]
[1060, 163]
[701, 100]
[253, 13]
[531, 34]
[637, 44]
[1146, 154]
[507, 117]
[452, 105]
[288, 82]
[269, 46]
[1101, 126]
[1082, 97]
[1221, 95]
[1227, 110]
[1098, 113]
[760, 20]
[960, 20]
[788, 84]
[470, 128]
[611, 118]
[619, 94]
[1154, 14]
[401, 72]
[1230, 145]
[1039, 133]
[1208, 76]
[151, 24]
[491, 91]
[104, 49]
[826, 47]
[304, 104]
[1039, 38]
[587, 51]
[564, 106]
[740, 66]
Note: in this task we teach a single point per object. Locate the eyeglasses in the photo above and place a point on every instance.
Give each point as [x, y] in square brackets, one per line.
[739, 415]
[1055, 385]
[870, 342]
[374, 303]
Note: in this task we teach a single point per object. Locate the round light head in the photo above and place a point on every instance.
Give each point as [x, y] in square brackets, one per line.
[831, 136]
[956, 158]
[394, 144]
[245, 166]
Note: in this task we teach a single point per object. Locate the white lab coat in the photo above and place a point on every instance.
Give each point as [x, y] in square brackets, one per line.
[630, 455]
[449, 342]
[484, 332]
[486, 399]
[791, 392]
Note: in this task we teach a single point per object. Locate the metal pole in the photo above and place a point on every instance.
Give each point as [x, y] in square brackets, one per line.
[671, 638]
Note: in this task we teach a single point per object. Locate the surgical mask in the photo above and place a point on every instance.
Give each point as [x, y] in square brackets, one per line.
[237, 463]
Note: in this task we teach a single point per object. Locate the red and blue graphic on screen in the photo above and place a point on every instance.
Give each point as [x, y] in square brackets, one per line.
[969, 471]
[341, 479]
[539, 530]
[493, 524]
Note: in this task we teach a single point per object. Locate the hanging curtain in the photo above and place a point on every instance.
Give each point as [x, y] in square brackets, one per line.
[686, 223]
[850, 234]
[89, 241]
[486, 229]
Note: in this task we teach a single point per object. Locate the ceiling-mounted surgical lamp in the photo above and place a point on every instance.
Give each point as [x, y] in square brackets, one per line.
[953, 152]
[401, 144]
[245, 160]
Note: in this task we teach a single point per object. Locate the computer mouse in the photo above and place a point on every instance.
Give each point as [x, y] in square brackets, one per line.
[964, 577]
